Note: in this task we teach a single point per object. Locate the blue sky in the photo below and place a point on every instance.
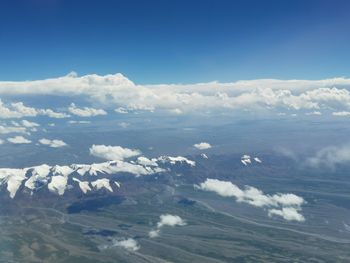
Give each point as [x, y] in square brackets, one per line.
[175, 41]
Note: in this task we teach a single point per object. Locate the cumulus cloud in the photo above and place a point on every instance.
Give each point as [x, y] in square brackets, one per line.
[12, 129]
[19, 110]
[253, 94]
[121, 110]
[52, 114]
[85, 111]
[52, 143]
[202, 146]
[29, 124]
[129, 244]
[330, 156]
[166, 220]
[18, 140]
[288, 206]
[109, 152]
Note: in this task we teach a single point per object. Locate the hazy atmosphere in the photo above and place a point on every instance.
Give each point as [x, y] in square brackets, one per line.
[174, 131]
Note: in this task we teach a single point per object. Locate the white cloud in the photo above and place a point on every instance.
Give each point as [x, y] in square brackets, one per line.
[121, 110]
[129, 244]
[341, 113]
[287, 213]
[18, 140]
[330, 156]
[170, 220]
[12, 129]
[202, 146]
[19, 110]
[29, 124]
[1, 141]
[109, 152]
[52, 114]
[86, 111]
[316, 113]
[79, 122]
[265, 94]
[284, 205]
[53, 143]
[166, 220]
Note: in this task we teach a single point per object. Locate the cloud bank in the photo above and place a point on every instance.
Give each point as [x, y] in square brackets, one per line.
[117, 90]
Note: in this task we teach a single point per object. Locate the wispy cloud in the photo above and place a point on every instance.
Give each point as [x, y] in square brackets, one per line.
[330, 156]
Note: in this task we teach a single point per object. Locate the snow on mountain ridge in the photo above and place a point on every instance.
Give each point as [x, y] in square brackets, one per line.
[56, 177]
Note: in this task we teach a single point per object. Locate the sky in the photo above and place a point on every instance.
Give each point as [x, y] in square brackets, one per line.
[154, 42]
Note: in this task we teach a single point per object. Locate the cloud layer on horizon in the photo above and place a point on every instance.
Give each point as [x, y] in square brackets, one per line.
[118, 91]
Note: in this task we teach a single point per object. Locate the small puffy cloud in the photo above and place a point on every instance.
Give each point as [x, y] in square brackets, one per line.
[287, 213]
[121, 110]
[29, 124]
[330, 156]
[166, 220]
[16, 110]
[1, 141]
[109, 152]
[52, 114]
[52, 143]
[86, 111]
[19, 110]
[154, 233]
[129, 244]
[341, 113]
[202, 146]
[288, 206]
[19, 140]
[170, 220]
